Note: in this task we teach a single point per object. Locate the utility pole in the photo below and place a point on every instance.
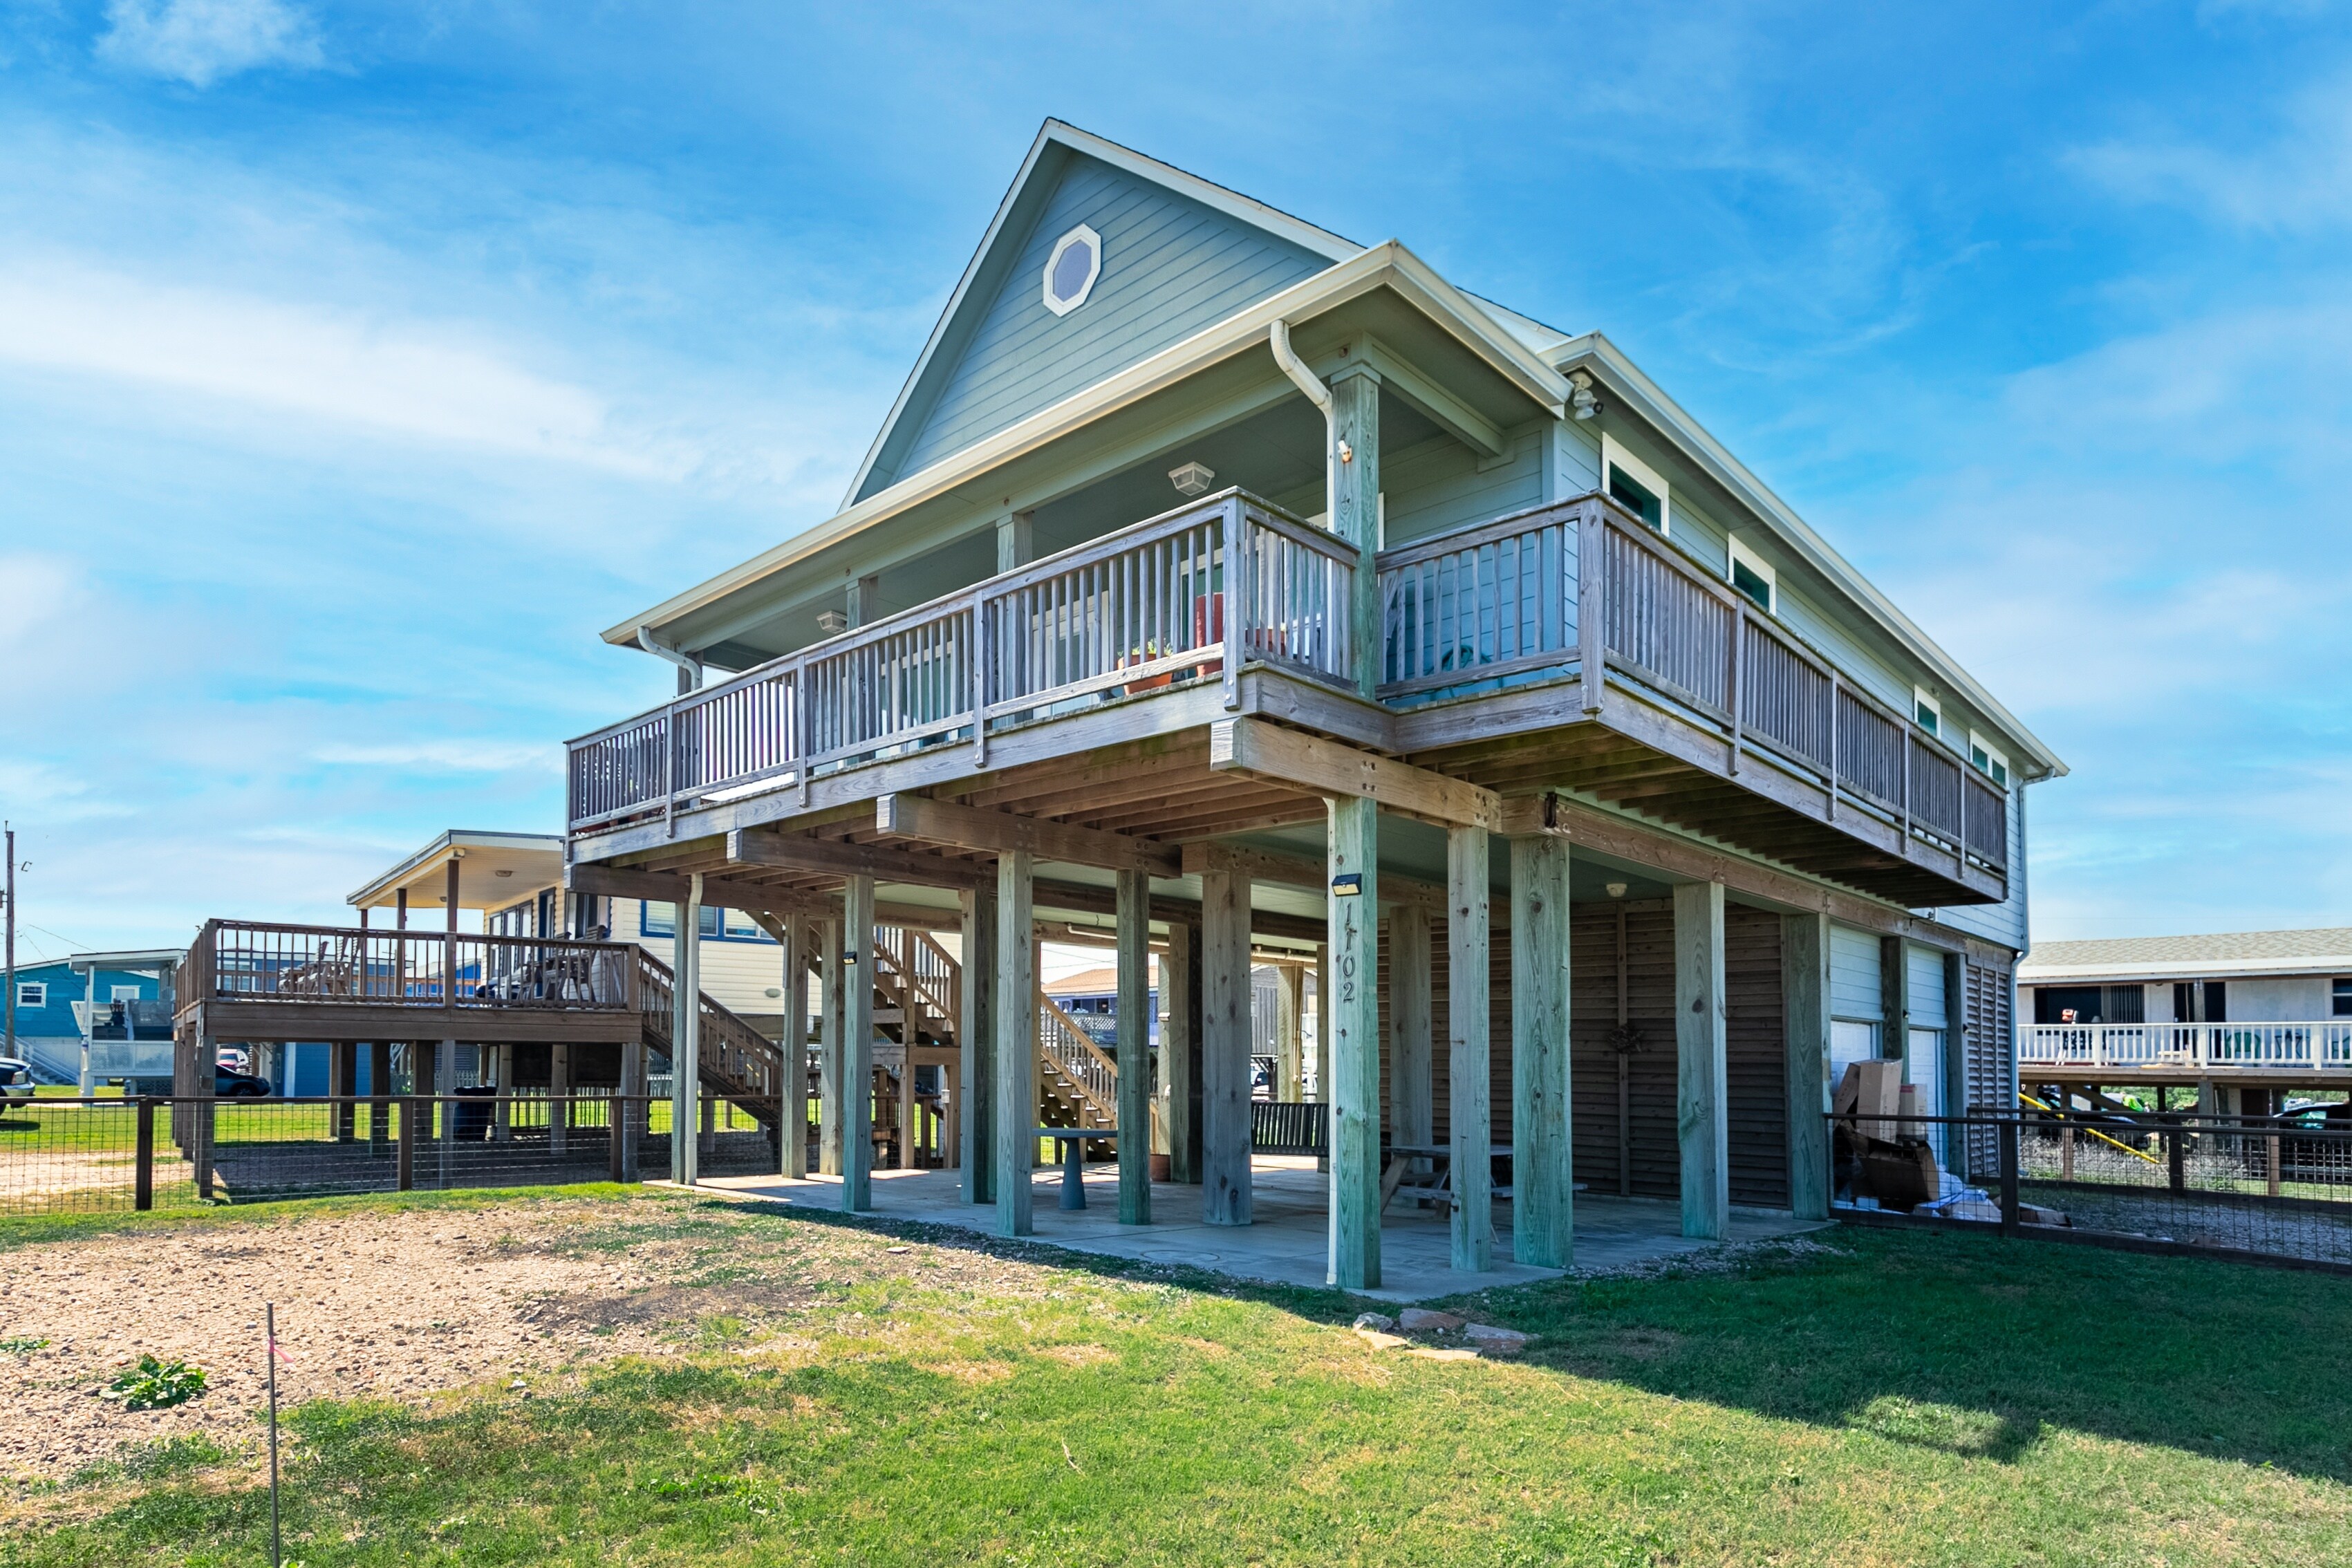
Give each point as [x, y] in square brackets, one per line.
[9, 1050]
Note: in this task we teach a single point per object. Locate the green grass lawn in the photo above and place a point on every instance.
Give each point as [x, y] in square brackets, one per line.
[1897, 1399]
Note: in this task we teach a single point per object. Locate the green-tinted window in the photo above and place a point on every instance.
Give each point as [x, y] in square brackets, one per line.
[1634, 497]
[1751, 582]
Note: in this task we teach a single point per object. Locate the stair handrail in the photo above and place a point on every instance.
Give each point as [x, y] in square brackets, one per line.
[1072, 1050]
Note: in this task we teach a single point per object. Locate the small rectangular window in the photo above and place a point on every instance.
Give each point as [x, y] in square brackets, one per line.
[1751, 576]
[657, 919]
[1926, 710]
[32, 994]
[1986, 760]
[736, 923]
[123, 993]
[1636, 486]
[2342, 999]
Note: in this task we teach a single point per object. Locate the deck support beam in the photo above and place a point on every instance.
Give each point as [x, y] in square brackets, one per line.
[1701, 1075]
[975, 1040]
[1016, 1042]
[1180, 1052]
[1134, 1018]
[1412, 1092]
[1224, 1048]
[791, 1073]
[685, 1036]
[857, 1045]
[1805, 1014]
[1469, 1067]
[1543, 1182]
[1354, 1011]
[830, 1109]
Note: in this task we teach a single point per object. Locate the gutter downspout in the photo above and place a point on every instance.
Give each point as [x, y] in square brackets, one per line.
[1278, 339]
[689, 668]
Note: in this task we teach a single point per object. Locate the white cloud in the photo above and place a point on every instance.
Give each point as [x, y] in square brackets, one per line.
[2299, 181]
[420, 380]
[200, 41]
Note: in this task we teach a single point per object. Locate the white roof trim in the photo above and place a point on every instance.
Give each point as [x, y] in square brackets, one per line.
[1388, 266]
[455, 838]
[2317, 965]
[1052, 134]
[1594, 351]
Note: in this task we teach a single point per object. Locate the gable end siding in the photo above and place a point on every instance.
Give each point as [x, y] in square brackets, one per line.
[1172, 267]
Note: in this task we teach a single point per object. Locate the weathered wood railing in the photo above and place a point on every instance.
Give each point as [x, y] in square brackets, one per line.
[1192, 595]
[255, 961]
[1508, 599]
[2199, 1047]
[1070, 1049]
[737, 1060]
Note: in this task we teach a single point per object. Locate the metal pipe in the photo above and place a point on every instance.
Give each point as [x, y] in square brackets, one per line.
[689, 668]
[1278, 340]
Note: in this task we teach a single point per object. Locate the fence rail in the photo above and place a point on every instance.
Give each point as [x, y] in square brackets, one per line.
[1191, 595]
[2273, 1188]
[2199, 1047]
[255, 961]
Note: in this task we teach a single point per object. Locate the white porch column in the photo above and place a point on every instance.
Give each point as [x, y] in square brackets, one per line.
[1701, 1076]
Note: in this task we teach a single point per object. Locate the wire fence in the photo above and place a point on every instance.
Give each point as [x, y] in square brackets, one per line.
[100, 1155]
[2277, 1187]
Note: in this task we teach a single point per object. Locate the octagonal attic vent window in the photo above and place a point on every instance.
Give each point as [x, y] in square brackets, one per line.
[1072, 269]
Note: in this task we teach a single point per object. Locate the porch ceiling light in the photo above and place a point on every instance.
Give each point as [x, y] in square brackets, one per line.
[1191, 479]
[1072, 269]
[1616, 890]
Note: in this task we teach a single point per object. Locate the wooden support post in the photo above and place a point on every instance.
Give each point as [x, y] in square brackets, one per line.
[1952, 1096]
[1353, 853]
[1412, 1090]
[1323, 1043]
[342, 1080]
[560, 1118]
[412, 1128]
[617, 1143]
[1180, 1051]
[686, 1039]
[1805, 1016]
[1224, 1048]
[1469, 1066]
[142, 1196]
[857, 1045]
[631, 1127]
[502, 1112]
[1543, 1182]
[1016, 1042]
[831, 1095]
[1701, 1075]
[1355, 465]
[909, 1109]
[1894, 998]
[1134, 1019]
[1289, 1035]
[378, 1096]
[976, 1046]
[792, 1074]
[441, 1123]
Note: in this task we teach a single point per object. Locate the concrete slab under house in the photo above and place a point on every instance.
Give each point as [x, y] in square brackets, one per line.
[1245, 601]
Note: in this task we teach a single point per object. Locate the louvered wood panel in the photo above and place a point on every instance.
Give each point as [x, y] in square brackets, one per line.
[1987, 1060]
[1756, 1058]
[1655, 1155]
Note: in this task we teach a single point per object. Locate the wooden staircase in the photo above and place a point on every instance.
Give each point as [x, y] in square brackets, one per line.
[740, 1064]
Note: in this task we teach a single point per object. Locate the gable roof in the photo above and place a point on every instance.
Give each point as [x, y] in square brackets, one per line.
[2320, 949]
[995, 278]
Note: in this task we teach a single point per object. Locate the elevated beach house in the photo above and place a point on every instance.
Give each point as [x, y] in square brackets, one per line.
[1229, 587]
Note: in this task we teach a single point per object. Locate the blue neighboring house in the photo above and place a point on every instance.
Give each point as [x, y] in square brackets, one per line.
[131, 1008]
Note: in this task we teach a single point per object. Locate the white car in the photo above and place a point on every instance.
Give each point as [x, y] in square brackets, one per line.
[16, 1079]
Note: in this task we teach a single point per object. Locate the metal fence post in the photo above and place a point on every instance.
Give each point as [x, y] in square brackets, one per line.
[404, 1162]
[2009, 1217]
[143, 1197]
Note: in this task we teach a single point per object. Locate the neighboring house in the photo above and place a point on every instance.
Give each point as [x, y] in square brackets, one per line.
[116, 1004]
[1205, 546]
[2248, 1018]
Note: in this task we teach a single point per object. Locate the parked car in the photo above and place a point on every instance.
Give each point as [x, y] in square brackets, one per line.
[233, 1058]
[227, 1085]
[16, 1079]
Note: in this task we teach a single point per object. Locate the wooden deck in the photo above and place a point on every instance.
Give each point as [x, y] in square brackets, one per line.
[1081, 689]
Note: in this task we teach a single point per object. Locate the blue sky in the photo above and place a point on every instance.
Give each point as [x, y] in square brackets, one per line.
[358, 362]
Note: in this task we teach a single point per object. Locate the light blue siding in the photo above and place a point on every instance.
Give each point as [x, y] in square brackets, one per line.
[1856, 991]
[1170, 268]
[1927, 976]
[1438, 485]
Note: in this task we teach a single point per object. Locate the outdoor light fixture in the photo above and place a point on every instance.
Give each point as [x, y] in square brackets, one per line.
[832, 623]
[1191, 479]
[1582, 400]
[503, 872]
[1616, 890]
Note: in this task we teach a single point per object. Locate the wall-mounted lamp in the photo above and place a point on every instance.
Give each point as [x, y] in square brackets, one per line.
[1616, 890]
[1581, 400]
[1191, 479]
[832, 623]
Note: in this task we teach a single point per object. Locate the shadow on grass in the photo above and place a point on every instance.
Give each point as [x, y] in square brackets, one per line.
[1975, 1345]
